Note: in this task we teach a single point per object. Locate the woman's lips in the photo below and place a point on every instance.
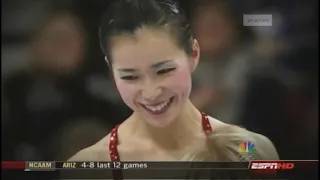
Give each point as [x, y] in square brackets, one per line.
[159, 108]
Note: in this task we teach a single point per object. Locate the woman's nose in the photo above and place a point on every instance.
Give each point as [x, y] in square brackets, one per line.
[151, 91]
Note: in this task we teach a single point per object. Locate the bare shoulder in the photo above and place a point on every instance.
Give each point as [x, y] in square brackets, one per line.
[217, 125]
[96, 152]
[265, 146]
[235, 135]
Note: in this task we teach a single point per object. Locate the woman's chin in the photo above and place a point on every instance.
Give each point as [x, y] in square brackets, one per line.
[159, 121]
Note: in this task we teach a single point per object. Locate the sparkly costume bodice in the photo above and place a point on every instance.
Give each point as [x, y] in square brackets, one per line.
[113, 150]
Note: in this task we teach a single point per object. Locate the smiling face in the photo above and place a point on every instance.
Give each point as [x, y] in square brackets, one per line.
[152, 74]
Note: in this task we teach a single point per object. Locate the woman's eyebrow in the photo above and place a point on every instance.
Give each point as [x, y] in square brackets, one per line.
[154, 66]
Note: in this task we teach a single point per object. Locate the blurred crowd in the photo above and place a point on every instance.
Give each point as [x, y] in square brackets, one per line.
[58, 95]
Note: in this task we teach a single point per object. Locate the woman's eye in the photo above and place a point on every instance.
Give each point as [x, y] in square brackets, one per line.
[129, 78]
[164, 71]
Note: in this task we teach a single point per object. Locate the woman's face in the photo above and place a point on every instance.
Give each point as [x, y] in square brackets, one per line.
[214, 30]
[60, 44]
[152, 74]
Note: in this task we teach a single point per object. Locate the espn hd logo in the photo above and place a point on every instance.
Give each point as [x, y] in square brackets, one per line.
[271, 165]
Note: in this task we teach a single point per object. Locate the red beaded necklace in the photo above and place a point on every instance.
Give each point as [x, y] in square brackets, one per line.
[113, 150]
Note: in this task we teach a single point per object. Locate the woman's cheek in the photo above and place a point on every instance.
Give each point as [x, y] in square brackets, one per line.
[180, 82]
[127, 93]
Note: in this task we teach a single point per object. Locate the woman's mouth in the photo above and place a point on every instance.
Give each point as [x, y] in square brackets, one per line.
[158, 108]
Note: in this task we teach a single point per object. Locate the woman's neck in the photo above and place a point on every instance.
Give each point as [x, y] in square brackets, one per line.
[176, 135]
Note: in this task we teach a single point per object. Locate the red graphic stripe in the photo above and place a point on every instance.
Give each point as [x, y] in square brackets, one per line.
[12, 165]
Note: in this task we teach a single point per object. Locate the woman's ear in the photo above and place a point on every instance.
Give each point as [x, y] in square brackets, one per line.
[195, 56]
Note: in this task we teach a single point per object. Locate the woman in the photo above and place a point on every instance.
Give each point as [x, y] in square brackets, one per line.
[152, 53]
[225, 143]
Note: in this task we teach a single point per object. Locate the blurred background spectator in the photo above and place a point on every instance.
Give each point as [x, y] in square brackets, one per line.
[58, 95]
[227, 57]
[60, 91]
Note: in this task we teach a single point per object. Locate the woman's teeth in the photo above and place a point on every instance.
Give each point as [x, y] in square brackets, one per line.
[158, 107]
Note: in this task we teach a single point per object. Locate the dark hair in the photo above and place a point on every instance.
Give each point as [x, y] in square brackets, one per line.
[126, 16]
